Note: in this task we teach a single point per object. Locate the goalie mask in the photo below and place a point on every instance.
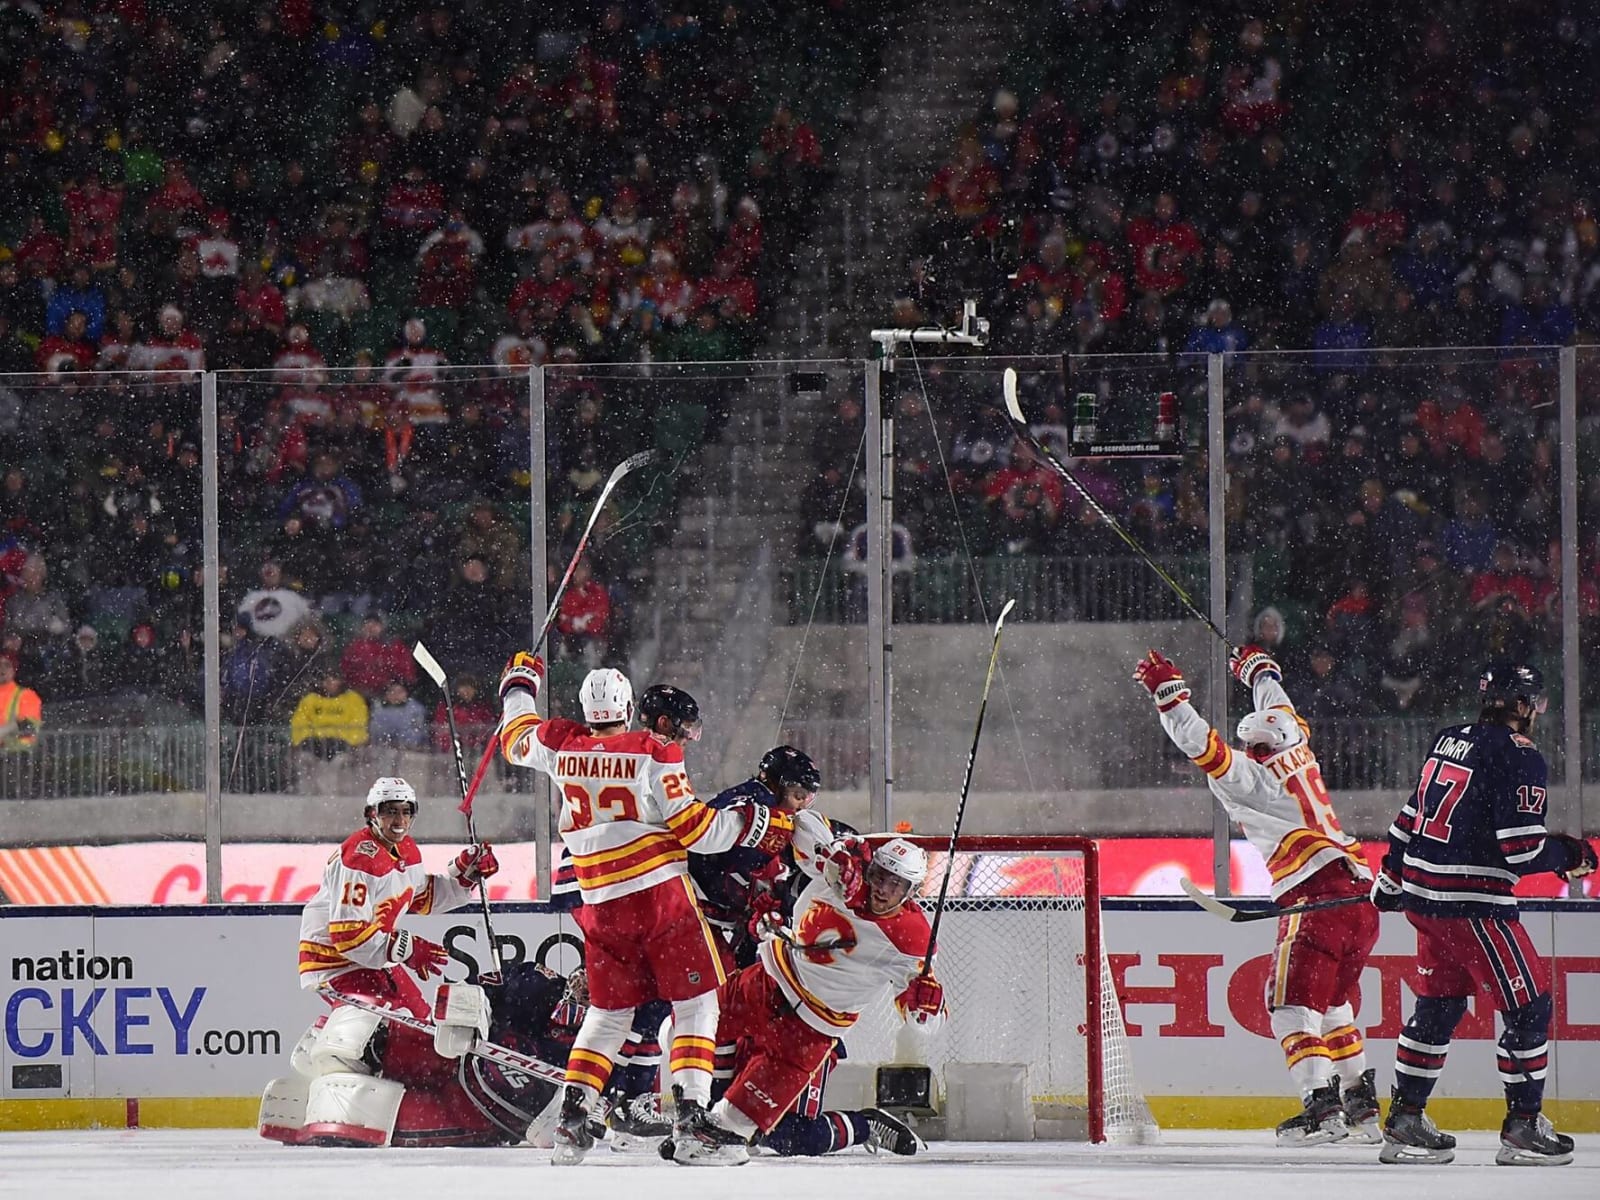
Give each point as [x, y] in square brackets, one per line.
[606, 697]
[681, 710]
[1269, 732]
[897, 869]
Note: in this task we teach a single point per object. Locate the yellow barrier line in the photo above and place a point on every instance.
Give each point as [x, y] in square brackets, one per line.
[1171, 1112]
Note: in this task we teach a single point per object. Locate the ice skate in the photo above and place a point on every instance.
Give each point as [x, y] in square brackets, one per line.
[1320, 1122]
[1529, 1140]
[888, 1132]
[700, 1140]
[1410, 1136]
[1361, 1115]
[573, 1136]
[636, 1123]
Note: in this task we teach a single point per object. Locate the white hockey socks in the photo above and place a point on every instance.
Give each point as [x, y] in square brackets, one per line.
[1345, 1047]
[1305, 1053]
[694, 1045]
[599, 1040]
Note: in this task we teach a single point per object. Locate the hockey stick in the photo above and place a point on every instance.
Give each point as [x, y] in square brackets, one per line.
[492, 1051]
[966, 788]
[435, 672]
[1229, 913]
[1019, 425]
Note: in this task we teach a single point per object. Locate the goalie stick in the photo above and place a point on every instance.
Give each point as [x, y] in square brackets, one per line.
[500, 1055]
[1229, 913]
[632, 463]
[1019, 426]
[435, 672]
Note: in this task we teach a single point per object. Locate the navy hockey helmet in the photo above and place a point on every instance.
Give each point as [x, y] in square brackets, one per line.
[682, 709]
[784, 767]
[1506, 683]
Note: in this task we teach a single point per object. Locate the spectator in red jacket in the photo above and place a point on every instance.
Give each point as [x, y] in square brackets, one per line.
[69, 350]
[373, 658]
[584, 614]
[1164, 248]
[93, 212]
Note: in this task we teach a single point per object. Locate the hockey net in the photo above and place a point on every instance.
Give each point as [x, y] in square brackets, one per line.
[1026, 980]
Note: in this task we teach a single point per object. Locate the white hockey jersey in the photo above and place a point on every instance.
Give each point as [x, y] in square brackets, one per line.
[1282, 805]
[841, 960]
[629, 815]
[366, 887]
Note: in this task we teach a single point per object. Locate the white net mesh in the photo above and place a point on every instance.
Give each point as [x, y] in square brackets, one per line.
[1011, 957]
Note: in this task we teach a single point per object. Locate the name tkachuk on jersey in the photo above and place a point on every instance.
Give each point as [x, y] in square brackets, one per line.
[840, 959]
[366, 887]
[1475, 824]
[1282, 805]
[628, 812]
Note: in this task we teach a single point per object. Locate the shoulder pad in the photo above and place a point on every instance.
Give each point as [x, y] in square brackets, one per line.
[1521, 742]
[664, 751]
[362, 852]
[906, 929]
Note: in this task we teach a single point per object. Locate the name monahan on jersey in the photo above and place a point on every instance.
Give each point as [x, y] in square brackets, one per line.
[1281, 805]
[629, 815]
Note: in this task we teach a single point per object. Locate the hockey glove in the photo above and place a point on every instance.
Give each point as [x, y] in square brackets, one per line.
[475, 863]
[1162, 679]
[766, 915]
[1583, 856]
[923, 998]
[426, 958]
[844, 867]
[1386, 892]
[766, 829]
[1249, 663]
[523, 670]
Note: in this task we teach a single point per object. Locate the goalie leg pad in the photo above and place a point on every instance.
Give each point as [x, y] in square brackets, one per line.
[461, 1017]
[346, 1109]
[343, 1043]
[300, 1061]
[283, 1109]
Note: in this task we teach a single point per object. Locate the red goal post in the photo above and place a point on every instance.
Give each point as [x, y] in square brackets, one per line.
[1022, 958]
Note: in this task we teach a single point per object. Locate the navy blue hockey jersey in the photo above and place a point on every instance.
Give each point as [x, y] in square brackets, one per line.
[1474, 825]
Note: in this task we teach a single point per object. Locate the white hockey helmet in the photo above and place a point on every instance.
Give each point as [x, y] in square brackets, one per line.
[391, 789]
[900, 860]
[607, 697]
[1273, 729]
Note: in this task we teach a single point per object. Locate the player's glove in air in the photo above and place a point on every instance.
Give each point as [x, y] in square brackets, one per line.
[1249, 663]
[1161, 678]
[475, 863]
[523, 670]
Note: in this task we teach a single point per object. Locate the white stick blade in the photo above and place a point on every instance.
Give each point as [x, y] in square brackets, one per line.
[1207, 901]
[1010, 604]
[428, 663]
[1010, 387]
[631, 463]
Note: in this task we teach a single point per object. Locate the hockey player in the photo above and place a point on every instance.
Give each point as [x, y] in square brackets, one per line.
[857, 927]
[1274, 791]
[630, 819]
[743, 891]
[1473, 827]
[351, 938]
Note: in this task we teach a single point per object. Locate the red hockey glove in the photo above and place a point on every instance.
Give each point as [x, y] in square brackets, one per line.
[766, 915]
[923, 998]
[1584, 859]
[766, 829]
[475, 863]
[1248, 663]
[523, 670]
[1386, 892]
[844, 866]
[1162, 679]
[422, 956]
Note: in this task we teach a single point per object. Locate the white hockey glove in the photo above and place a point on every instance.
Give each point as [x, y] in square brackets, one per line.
[523, 670]
[460, 1017]
[1161, 678]
[1248, 663]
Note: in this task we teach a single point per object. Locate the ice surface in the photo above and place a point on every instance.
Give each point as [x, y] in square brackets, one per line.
[1191, 1165]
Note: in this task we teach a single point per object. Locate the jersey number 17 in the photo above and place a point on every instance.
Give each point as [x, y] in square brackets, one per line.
[1440, 789]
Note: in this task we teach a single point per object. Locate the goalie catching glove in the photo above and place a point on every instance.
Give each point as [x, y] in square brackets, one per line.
[524, 671]
[1161, 678]
[426, 958]
[1584, 859]
[1249, 663]
[476, 863]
